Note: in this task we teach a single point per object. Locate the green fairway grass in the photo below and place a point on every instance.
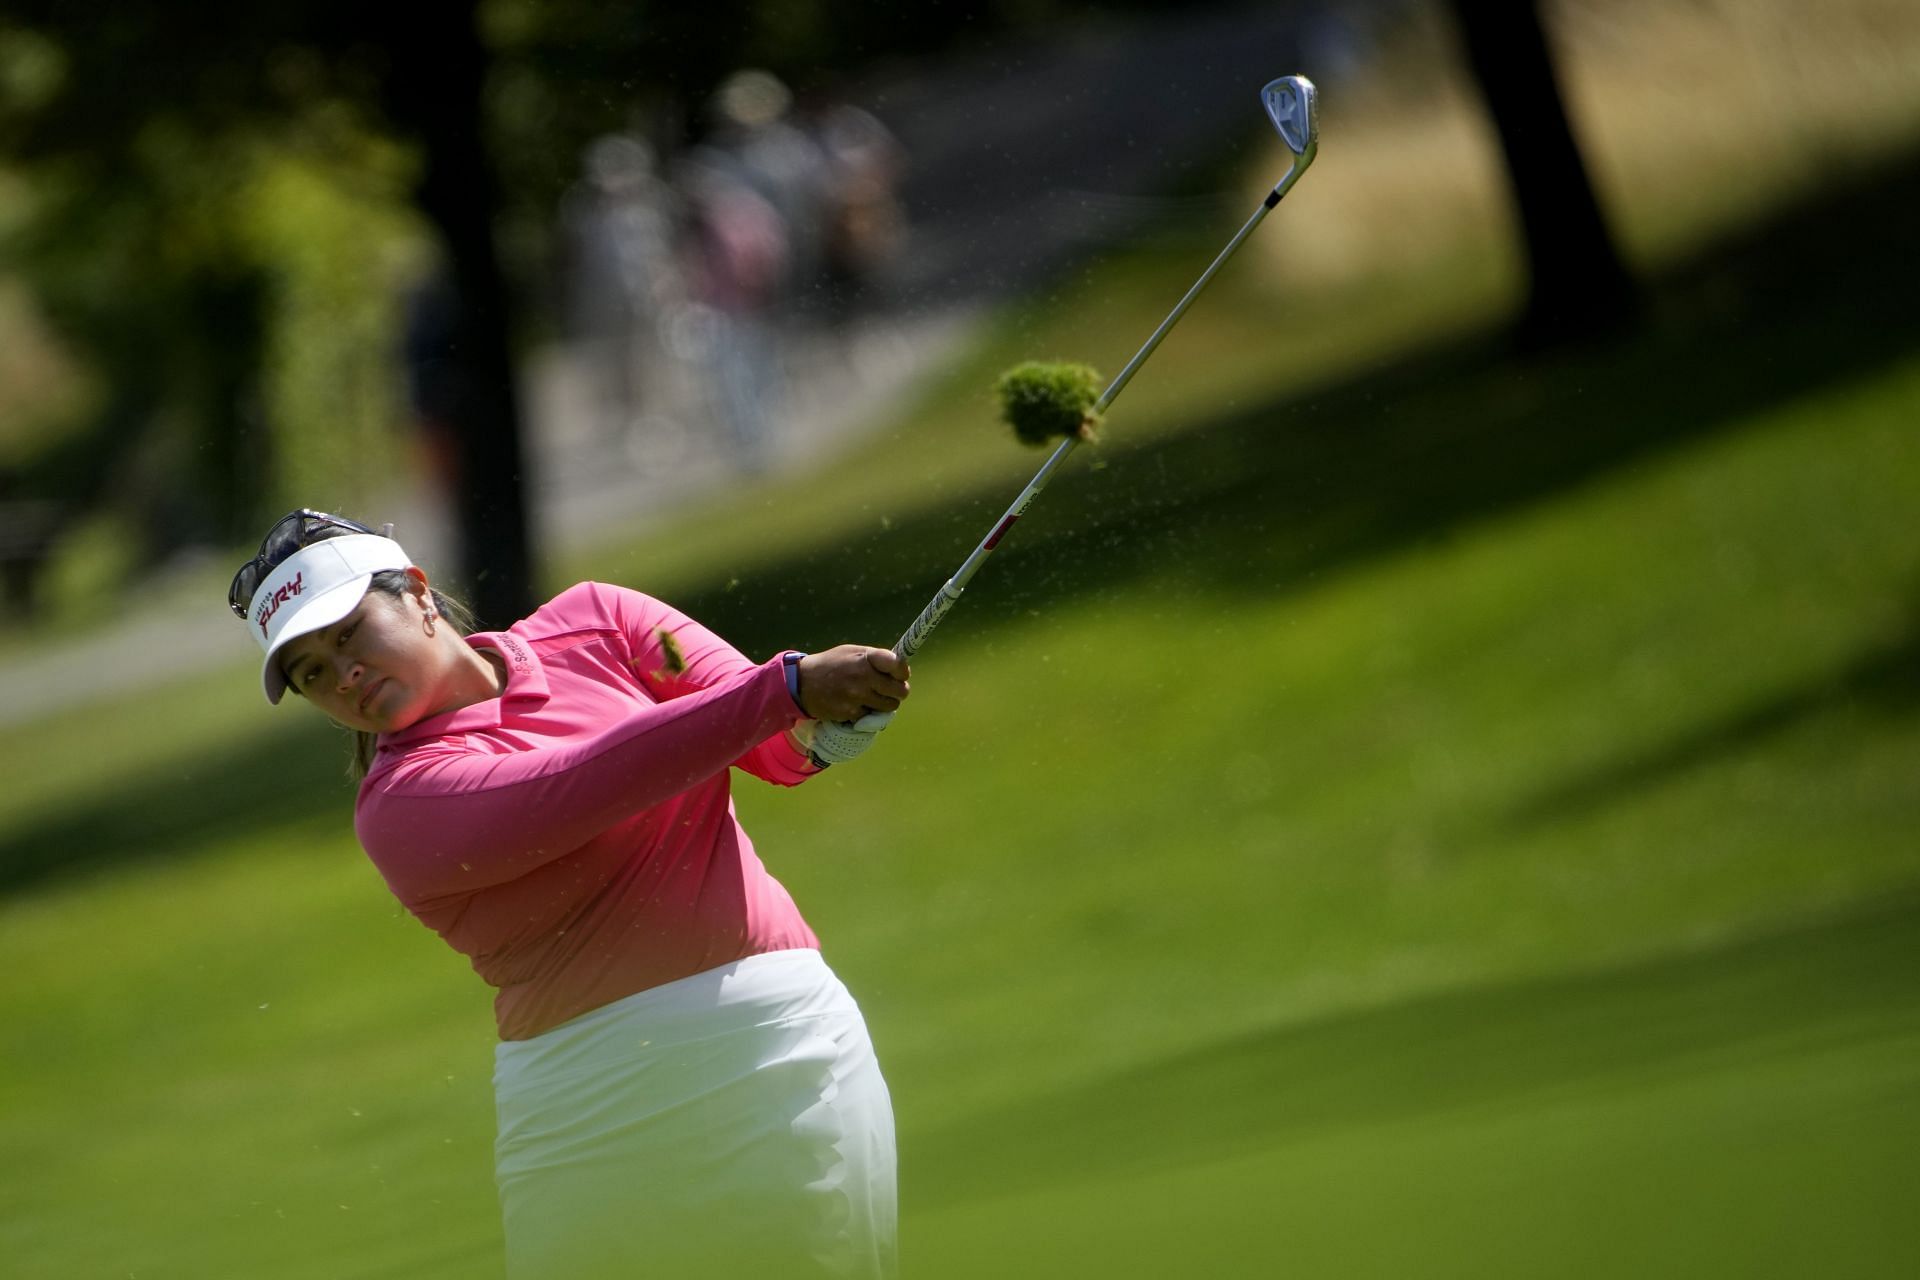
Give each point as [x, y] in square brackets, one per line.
[1417, 812]
[1535, 897]
[1740, 1110]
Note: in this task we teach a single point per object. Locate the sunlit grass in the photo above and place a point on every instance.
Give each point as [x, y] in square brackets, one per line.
[1138, 824]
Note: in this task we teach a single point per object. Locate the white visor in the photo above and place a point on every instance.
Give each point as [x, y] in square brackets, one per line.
[315, 587]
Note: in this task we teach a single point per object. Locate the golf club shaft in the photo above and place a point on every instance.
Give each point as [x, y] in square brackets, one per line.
[916, 635]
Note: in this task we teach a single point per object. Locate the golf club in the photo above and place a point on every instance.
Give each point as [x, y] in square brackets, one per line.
[1289, 103]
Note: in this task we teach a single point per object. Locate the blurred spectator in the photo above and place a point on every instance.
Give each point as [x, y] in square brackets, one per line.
[687, 293]
[756, 137]
[865, 224]
[757, 196]
[620, 279]
[736, 262]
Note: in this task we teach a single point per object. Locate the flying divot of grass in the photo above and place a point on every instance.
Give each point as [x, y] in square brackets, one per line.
[1044, 401]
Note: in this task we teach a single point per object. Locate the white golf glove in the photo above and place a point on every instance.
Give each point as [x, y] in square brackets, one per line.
[830, 743]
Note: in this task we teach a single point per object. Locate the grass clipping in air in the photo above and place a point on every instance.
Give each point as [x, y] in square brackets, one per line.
[1043, 401]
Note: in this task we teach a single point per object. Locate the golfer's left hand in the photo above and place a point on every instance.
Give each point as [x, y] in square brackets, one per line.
[849, 681]
[827, 743]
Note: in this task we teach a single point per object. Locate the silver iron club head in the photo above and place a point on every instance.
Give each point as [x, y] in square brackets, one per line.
[1290, 105]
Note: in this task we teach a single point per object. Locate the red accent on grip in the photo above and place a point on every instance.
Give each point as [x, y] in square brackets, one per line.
[1001, 532]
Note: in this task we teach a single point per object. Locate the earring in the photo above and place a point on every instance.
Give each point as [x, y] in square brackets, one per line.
[430, 617]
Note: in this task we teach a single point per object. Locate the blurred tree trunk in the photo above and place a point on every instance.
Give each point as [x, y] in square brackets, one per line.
[234, 452]
[434, 87]
[1578, 285]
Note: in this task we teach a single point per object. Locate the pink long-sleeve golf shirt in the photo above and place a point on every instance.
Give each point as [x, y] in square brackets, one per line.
[575, 837]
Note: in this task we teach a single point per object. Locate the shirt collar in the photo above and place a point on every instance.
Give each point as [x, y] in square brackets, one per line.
[526, 684]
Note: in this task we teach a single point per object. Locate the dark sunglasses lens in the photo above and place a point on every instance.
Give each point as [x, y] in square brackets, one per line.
[312, 525]
[283, 540]
[245, 582]
[288, 535]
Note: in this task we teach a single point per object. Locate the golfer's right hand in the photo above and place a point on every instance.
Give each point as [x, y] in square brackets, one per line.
[851, 680]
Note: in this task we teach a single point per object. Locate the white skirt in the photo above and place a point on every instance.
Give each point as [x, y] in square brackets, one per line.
[733, 1119]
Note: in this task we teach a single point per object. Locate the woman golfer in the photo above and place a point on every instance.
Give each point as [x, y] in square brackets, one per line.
[683, 1086]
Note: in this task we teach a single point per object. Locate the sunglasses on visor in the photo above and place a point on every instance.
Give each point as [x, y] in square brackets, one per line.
[289, 534]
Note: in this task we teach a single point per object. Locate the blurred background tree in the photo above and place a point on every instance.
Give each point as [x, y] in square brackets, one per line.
[1578, 286]
[222, 248]
[210, 228]
[221, 242]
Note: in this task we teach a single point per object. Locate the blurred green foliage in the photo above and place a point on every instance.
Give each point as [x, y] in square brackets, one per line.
[213, 254]
[339, 245]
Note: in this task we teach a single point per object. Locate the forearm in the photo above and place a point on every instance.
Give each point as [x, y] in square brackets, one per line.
[461, 820]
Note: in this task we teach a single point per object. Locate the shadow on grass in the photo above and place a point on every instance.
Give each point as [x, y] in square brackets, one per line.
[1255, 501]
[1261, 499]
[290, 772]
[1827, 985]
[1884, 680]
